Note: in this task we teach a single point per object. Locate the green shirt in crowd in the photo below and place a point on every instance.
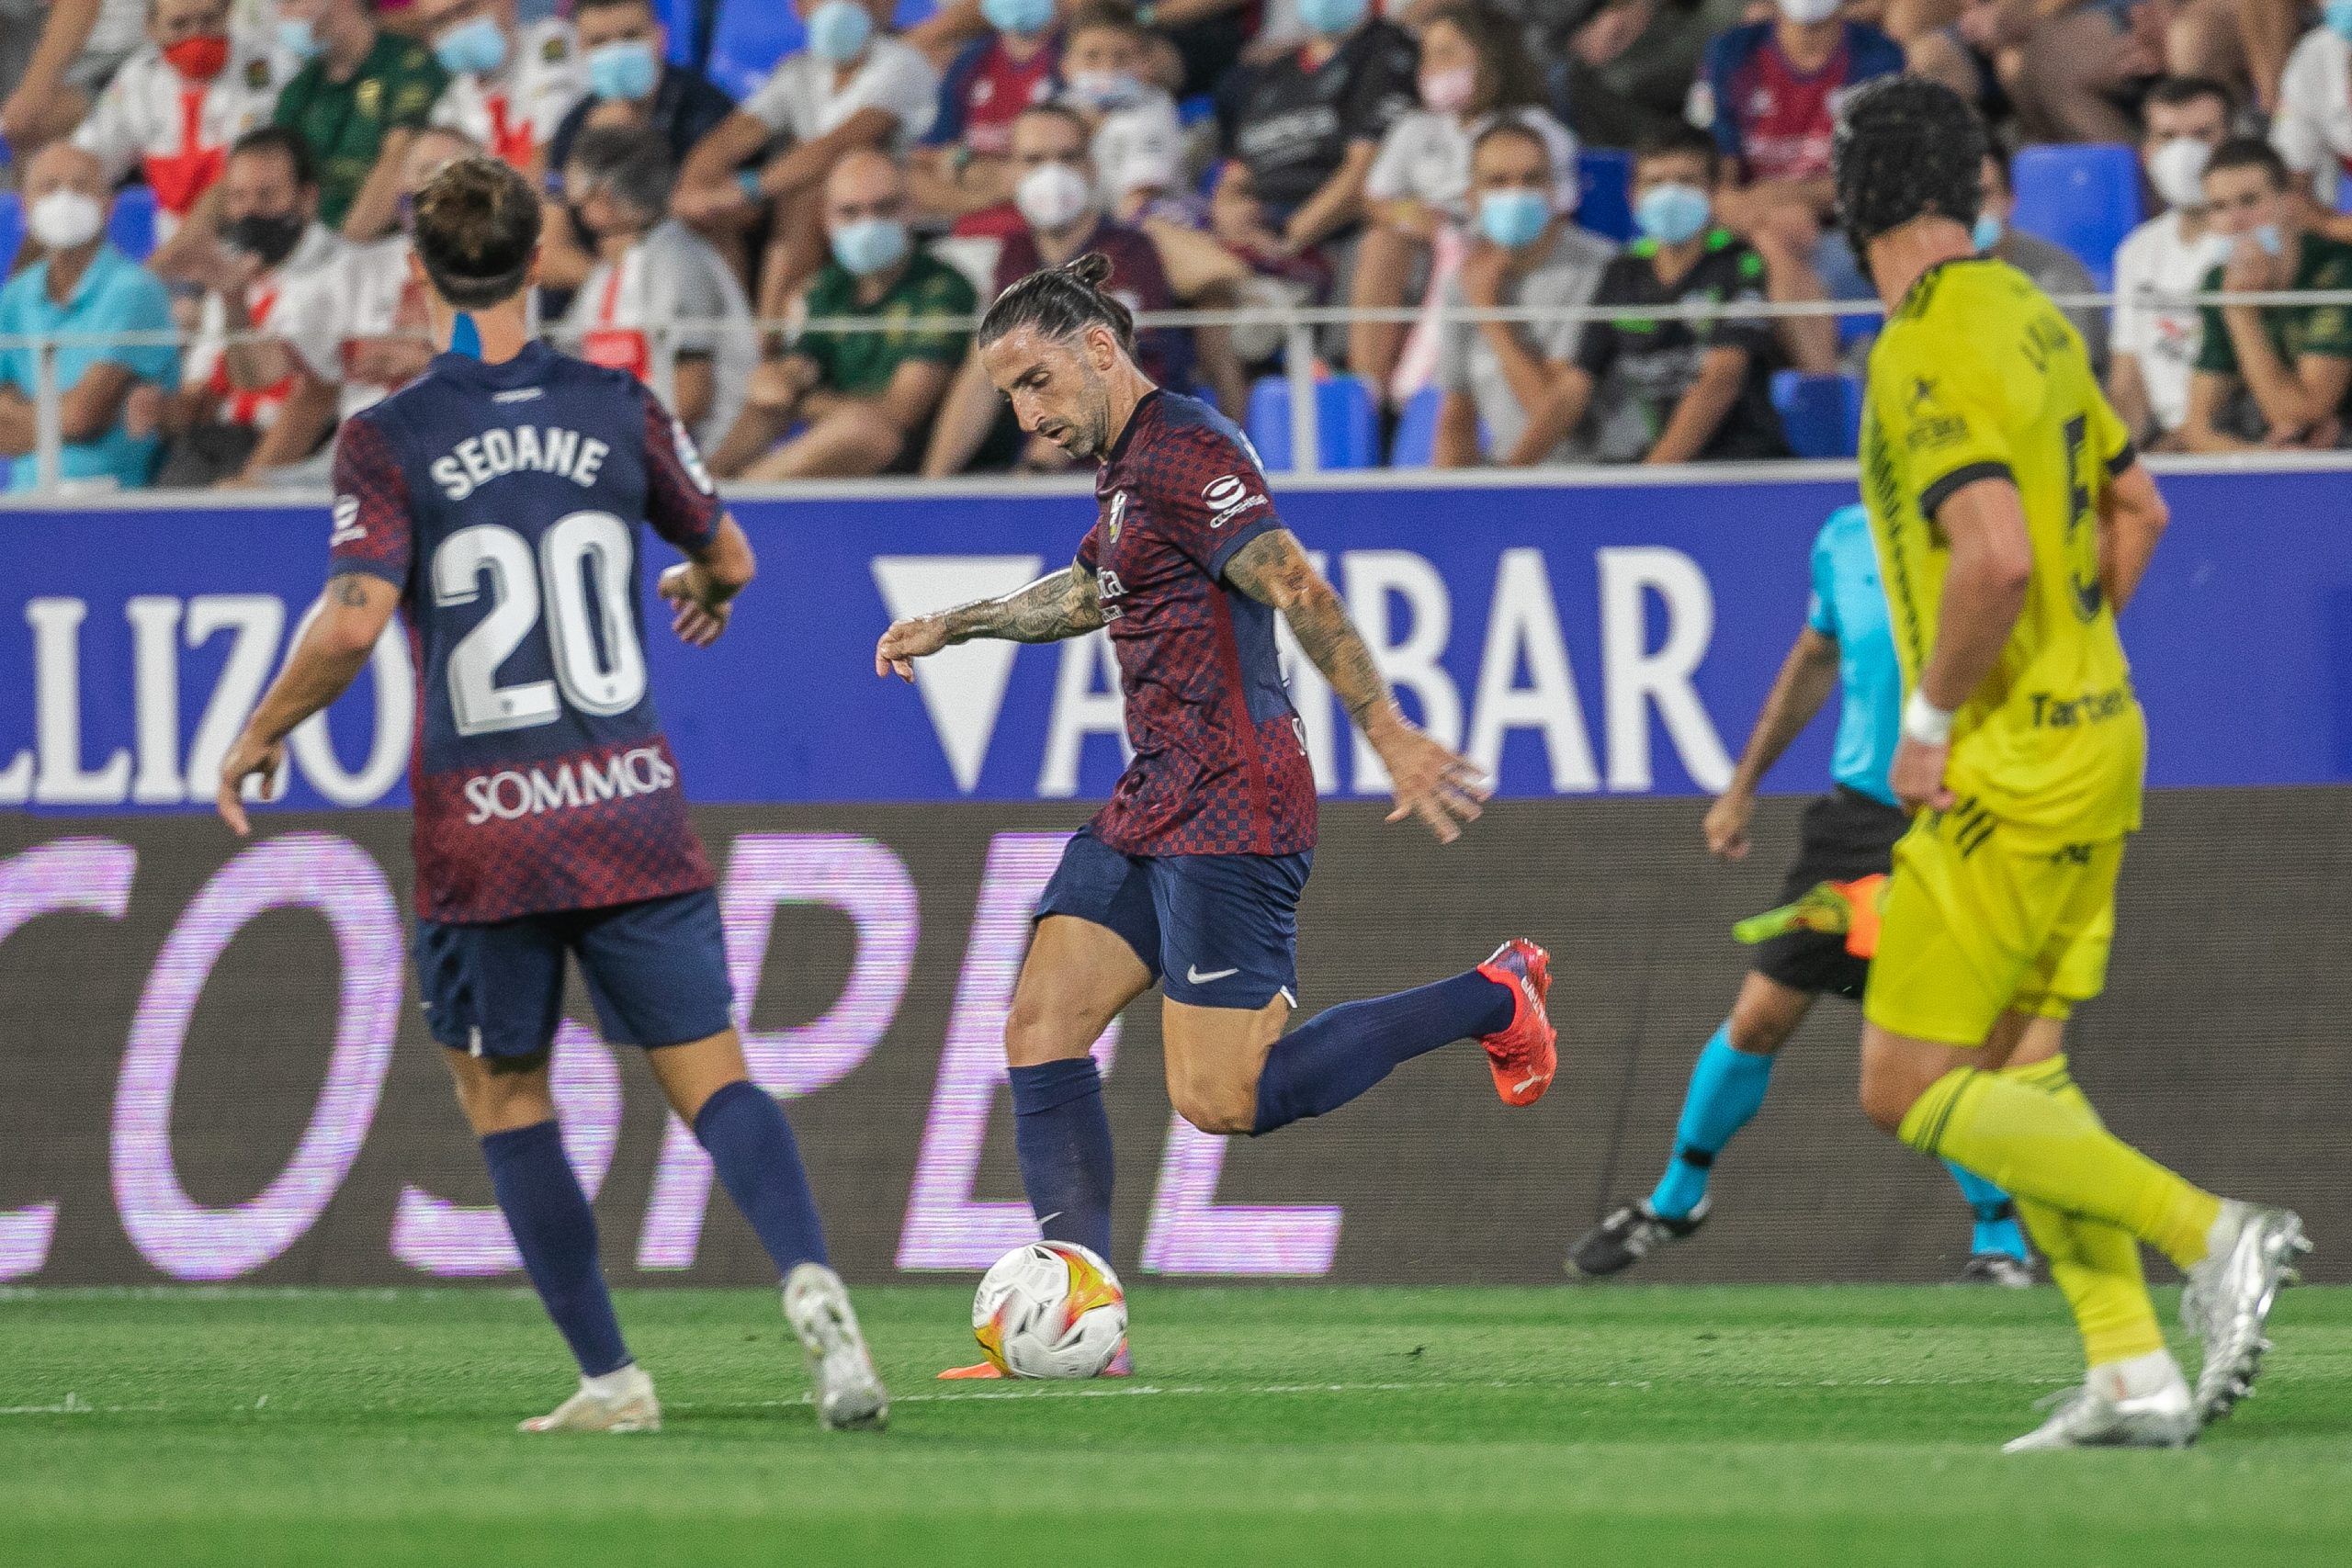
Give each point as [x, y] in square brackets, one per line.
[2293, 330]
[345, 122]
[927, 310]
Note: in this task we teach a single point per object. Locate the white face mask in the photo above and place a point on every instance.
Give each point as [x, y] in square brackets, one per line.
[65, 218]
[1053, 196]
[1805, 12]
[2176, 168]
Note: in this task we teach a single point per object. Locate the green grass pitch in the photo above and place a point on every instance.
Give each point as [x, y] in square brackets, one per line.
[1632, 1424]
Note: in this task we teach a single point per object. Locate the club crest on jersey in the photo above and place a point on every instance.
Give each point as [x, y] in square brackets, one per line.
[1117, 515]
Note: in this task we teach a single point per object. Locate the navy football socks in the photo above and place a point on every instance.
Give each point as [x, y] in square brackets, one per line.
[1063, 1136]
[1726, 1090]
[750, 1143]
[1343, 1051]
[556, 1232]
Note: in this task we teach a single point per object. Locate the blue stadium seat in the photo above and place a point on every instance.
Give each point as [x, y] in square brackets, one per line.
[1821, 415]
[677, 16]
[2086, 197]
[12, 228]
[911, 13]
[133, 227]
[1343, 419]
[747, 41]
[1605, 184]
[1415, 446]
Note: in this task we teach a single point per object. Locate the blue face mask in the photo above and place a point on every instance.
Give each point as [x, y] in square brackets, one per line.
[475, 48]
[298, 37]
[1513, 217]
[869, 246]
[1672, 213]
[2265, 238]
[1329, 18]
[838, 31]
[1986, 233]
[1023, 18]
[2336, 15]
[623, 69]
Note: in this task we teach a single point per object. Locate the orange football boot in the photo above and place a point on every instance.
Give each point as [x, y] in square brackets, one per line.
[1523, 1056]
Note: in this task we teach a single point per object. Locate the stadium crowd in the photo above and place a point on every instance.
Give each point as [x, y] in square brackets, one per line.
[1224, 154]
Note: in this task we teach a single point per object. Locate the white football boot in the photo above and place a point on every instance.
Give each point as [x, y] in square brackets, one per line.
[840, 1372]
[620, 1401]
[2253, 1253]
[2105, 1412]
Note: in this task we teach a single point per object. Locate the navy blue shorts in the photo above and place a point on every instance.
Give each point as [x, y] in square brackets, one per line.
[1217, 931]
[656, 972]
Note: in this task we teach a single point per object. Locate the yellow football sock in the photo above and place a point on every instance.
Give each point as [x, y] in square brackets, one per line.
[2096, 1265]
[2053, 1150]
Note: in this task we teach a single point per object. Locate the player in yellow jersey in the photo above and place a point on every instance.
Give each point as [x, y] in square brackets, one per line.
[2013, 519]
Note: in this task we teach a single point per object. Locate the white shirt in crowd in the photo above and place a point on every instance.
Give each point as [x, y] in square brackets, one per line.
[2313, 130]
[300, 303]
[173, 131]
[515, 113]
[805, 100]
[380, 298]
[1425, 157]
[2155, 259]
[626, 311]
[1467, 366]
[1140, 147]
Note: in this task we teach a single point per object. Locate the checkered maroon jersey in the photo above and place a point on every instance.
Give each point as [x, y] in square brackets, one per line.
[1220, 760]
[508, 502]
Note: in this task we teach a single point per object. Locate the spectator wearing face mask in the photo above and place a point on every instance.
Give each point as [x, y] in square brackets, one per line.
[624, 59]
[361, 95]
[961, 167]
[865, 397]
[2268, 376]
[853, 87]
[2152, 347]
[1137, 141]
[175, 107]
[661, 303]
[510, 83]
[75, 48]
[1510, 378]
[1308, 123]
[80, 284]
[1061, 217]
[1475, 73]
[2054, 269]
[2312, 128]
[1665, 391]
[386, 335]
[260, 388]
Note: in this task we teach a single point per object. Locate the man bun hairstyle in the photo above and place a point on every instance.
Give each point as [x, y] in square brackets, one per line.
[1061, 302]
[477, 226]
[1906, 147]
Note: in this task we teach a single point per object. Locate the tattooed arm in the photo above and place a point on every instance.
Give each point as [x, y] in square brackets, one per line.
[1430, 782]
[1066, 603]
[336, 643]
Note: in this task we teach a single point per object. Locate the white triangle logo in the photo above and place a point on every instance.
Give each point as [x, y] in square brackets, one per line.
[962, 687]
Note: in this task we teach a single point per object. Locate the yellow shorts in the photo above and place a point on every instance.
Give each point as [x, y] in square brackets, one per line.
[1973, 927]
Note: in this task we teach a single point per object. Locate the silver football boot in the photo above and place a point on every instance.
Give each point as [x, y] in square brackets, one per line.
[2087, 1417]
[2229, 1297]
[840, 1372]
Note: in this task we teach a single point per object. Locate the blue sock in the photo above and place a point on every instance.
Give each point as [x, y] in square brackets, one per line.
[556, 1232]
[1343, 1051]
[750, 1143]
[1726, 1088]
[1063, 1136]
[1997, 1217]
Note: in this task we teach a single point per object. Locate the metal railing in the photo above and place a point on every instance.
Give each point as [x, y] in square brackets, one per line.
[1299, 327]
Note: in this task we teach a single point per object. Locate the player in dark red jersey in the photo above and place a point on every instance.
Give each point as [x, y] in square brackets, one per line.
[1191, 876]
[498, 501]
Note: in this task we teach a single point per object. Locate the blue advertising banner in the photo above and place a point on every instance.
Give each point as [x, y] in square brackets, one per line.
[1575, 640]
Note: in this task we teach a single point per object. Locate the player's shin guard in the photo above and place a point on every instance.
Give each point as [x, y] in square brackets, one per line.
[1343, 1051]
[751, 1145]
[556, 1232]
[1727, 1087]
[1063, 1137]
[1996, 1216]
[2045, 1147]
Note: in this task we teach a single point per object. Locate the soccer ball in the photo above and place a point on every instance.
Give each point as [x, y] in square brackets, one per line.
[1050, 1310]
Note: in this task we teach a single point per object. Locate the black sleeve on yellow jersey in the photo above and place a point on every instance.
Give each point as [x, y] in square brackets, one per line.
[1931, 499]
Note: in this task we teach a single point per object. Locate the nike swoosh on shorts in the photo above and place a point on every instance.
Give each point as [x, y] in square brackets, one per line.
[1192, 975]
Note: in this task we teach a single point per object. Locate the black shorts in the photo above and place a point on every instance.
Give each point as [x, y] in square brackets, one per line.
[1843, 835]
